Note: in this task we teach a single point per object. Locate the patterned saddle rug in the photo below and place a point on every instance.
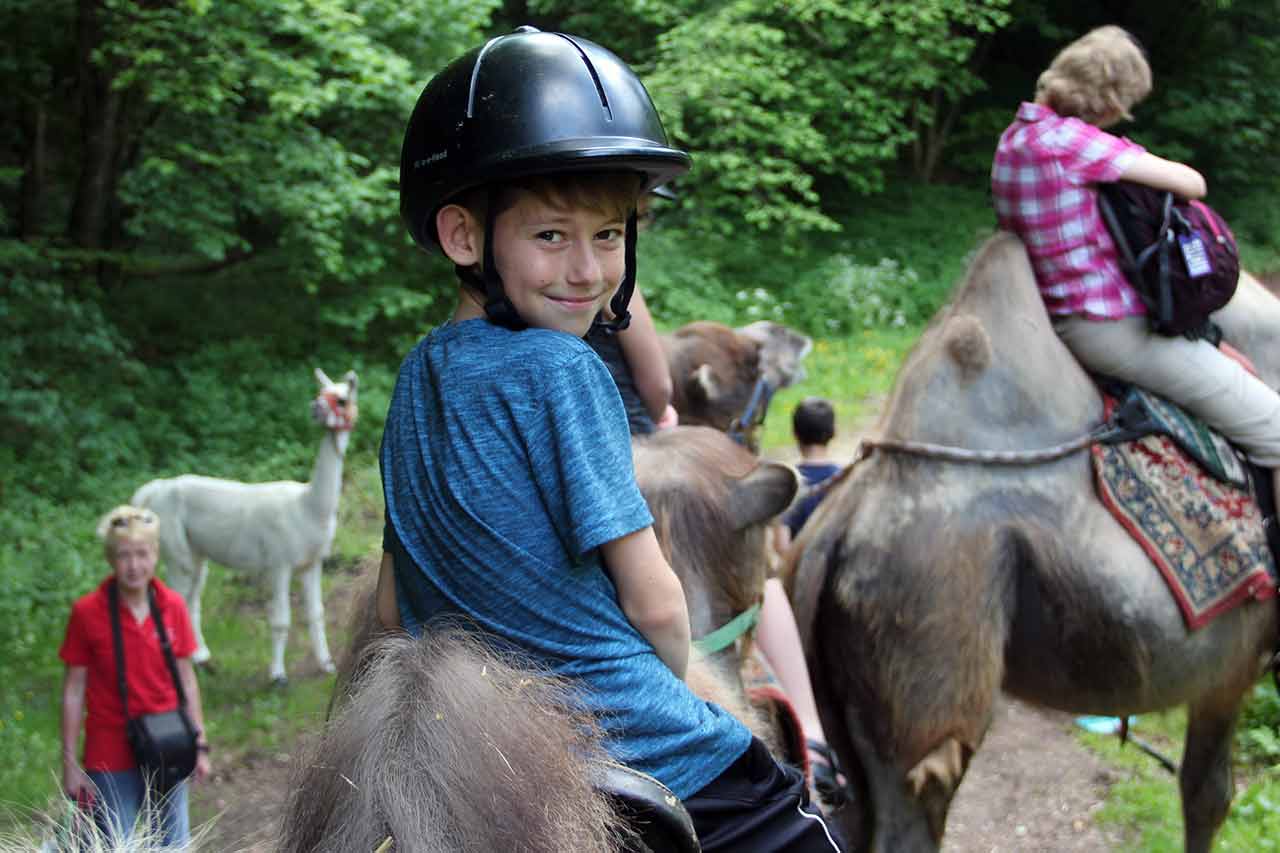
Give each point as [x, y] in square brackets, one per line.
[1184, 495]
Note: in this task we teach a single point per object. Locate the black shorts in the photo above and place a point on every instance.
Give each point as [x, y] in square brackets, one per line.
[759, 806]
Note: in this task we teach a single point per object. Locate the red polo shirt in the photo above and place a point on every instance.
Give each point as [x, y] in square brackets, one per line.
[89, 644]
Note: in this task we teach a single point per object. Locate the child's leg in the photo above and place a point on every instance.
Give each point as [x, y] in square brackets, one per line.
[779, 639]
[756, 804]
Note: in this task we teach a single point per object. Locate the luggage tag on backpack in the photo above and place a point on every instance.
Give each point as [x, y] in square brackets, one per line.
[1195, 255]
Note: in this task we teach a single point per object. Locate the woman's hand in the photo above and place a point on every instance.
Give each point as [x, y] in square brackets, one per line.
[76, 784]
[203, 767]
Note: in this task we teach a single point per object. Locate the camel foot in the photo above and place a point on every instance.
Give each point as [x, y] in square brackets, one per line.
[328, 668]
[279, 681]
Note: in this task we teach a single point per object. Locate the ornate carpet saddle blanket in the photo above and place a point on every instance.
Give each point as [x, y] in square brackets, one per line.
[1184, 494]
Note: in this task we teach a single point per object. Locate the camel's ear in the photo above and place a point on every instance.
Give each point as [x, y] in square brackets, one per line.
[350, 379]
[324, 380]
[702, 384]
[762, 494]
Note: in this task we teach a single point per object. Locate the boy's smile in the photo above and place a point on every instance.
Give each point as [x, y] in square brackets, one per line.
[559, 265]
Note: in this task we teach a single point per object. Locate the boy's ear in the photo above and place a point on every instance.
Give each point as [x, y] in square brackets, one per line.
[460, 235]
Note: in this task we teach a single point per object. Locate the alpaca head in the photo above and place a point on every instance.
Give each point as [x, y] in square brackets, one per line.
[335, 407]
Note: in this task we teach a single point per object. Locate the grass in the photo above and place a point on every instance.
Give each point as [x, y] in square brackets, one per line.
[1145, 802]
[853, 373]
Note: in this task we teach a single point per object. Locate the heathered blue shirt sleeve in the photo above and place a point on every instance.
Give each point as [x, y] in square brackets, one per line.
[580, 449]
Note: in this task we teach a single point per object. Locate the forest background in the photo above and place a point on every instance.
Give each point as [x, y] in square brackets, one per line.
[198, 204]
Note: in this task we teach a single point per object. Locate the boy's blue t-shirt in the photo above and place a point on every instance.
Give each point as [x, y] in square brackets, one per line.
[506, 463]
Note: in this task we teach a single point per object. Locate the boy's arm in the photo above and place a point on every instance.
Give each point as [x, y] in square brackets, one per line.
[646, 359]
[651, 595]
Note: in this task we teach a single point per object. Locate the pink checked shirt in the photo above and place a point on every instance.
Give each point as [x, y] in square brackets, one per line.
[1041, 181]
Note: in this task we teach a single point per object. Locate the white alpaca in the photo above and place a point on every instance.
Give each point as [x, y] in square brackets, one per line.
[275, 528]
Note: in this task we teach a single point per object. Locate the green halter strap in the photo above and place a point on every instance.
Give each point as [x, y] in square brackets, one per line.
[724, 636]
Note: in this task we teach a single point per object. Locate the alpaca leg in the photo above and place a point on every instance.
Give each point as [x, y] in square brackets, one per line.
[1205, 776]
[186, 575]
[279, 622]
[202, 654]
[315, 615]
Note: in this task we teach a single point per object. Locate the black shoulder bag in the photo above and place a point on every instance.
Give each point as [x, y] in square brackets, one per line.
[163, 744]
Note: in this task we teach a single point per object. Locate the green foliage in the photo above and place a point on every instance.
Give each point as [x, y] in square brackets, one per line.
[892, 264]
[774, 96]
[1145, 802]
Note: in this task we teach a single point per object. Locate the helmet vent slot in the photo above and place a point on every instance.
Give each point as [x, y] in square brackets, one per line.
[595, 77]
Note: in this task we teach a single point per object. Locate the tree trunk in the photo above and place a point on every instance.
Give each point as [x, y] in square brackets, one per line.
[31, 203]
[99, 132]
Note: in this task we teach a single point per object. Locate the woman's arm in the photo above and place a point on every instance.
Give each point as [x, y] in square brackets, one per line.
[651, 595]
[190, 686]
[646, 359]
[75, 782]
[1161, 174]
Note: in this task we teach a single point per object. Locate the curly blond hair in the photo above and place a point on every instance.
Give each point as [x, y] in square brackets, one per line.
[128, 523]
[1098, 77]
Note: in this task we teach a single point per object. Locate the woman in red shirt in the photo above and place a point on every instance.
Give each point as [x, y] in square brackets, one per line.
[108, 779]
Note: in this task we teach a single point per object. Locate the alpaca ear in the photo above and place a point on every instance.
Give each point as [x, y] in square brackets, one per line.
[324, 380]
[350, 379]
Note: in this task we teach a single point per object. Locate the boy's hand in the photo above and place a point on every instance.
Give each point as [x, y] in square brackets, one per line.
[669, 418]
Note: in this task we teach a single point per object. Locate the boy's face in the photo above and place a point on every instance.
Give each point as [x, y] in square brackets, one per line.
[559, 265]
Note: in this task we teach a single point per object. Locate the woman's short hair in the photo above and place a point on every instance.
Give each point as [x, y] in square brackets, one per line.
[813, 421]
[129, 523]
[1100, 75]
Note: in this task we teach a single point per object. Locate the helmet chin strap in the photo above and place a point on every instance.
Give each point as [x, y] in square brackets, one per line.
[500, 311]
[497, 307]
[622, 297]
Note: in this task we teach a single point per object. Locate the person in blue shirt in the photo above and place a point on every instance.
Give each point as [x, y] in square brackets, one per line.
[506, 459]
[813, 423]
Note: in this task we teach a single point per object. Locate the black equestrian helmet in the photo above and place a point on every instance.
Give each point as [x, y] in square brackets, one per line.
[524, 104]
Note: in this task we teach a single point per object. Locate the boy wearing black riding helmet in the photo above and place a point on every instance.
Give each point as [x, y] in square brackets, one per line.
[506, 459]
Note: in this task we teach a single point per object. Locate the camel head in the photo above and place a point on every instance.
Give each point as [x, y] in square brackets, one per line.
[712, 501]
[724, 378]
[334, 407]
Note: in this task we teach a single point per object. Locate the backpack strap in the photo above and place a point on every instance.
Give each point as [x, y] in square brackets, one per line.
[1128, 260]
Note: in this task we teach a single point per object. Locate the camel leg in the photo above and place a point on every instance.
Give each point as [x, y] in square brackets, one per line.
[1205, 776]
[315, 615]
[278, 619]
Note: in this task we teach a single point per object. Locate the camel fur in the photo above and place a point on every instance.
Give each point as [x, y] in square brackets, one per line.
[272, 529]
[923, 588]
[715, 369]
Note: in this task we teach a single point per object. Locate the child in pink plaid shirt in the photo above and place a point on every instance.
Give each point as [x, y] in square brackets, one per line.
[1043, 182]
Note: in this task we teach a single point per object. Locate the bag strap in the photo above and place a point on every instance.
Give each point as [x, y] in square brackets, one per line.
[113, 601]
[1128, 262]
[164, 645]
[1166, 238]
